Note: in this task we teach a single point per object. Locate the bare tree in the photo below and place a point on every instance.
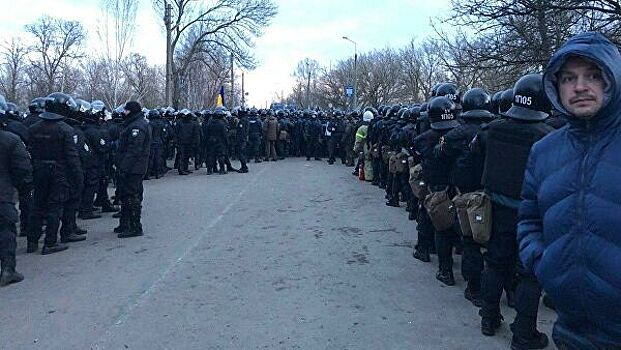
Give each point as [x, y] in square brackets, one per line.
[57, 41]
[202, 28]
[306, 74]
[143, 80]
[12, 69]
[115, 31]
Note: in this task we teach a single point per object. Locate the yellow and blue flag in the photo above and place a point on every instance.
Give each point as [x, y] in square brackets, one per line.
[220, 100]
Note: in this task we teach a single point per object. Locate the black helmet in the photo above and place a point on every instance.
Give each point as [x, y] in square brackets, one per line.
[404, 114]
[424, 109]
[506, 99]
[476, 104]
[415, 113]
[442, 113]
[61, 104]
[496, 102]
[253, 112]
[154, 114]
[530, 102]
[37, 105]
[393, 112]
[450, 91]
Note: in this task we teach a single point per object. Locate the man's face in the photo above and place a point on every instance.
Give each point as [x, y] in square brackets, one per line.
[581, 87]
[126, 112]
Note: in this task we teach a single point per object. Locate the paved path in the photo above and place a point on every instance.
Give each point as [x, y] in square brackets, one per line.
[294, 255]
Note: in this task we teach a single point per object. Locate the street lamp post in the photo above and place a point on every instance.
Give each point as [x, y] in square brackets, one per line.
[355, 97]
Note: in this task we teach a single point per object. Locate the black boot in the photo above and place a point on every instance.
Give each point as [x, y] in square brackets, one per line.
[412, 215]
[393, 203]
[135, 227]
[421, 254]
[489, 325]
[72, 237]
[8, 275]
[51, 249]
[123, 221]
[470, 293]
[535, 340]
[446, 277]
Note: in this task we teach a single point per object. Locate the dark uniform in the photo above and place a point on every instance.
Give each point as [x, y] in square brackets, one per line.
[216, 135]
[255, 133]
[467, 168]
[15, 172]
[56, 169]
[312, 135]
[506, 144]
[132, 161]
[242, 141]
[94, 167]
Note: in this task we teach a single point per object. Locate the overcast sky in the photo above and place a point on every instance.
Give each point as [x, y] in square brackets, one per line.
[312, 29]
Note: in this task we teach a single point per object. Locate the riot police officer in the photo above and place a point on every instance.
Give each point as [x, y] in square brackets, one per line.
[506, 144]
[158, 138]
[15, 173]
[216, 135]
[133, 160]
[255, 133]
[242, 140]
[436, 172]
[56, 167]
[312, 135]
[466, 176]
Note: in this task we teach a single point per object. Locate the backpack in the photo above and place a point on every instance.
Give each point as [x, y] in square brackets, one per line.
[441, 209]
[479, 209]
[461, 207]
[417, 183]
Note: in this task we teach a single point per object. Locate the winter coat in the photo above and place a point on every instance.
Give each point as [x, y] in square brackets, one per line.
[569, 218]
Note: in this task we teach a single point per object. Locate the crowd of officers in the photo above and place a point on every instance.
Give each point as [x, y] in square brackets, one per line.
[59, 160]
[474, 146]
[63, 156]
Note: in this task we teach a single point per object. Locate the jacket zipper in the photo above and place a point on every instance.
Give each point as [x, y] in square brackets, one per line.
[582, 205]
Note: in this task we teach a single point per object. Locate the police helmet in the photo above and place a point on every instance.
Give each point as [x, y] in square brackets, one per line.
[476, 104]
[154, 114]
[404, 114]
[506, 99]
[37, 105]
[530, 101]
[415, 113]
[59, 103]
[253, 112]
[442, 113]
[449, 90]
[496, 102]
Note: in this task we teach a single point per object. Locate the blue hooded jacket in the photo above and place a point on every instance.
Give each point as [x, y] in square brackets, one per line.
[569, 229]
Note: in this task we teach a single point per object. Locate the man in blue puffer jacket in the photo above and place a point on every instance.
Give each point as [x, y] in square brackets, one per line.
[569, 228]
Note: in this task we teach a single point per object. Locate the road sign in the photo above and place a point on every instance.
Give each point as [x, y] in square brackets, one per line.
[349, 91]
